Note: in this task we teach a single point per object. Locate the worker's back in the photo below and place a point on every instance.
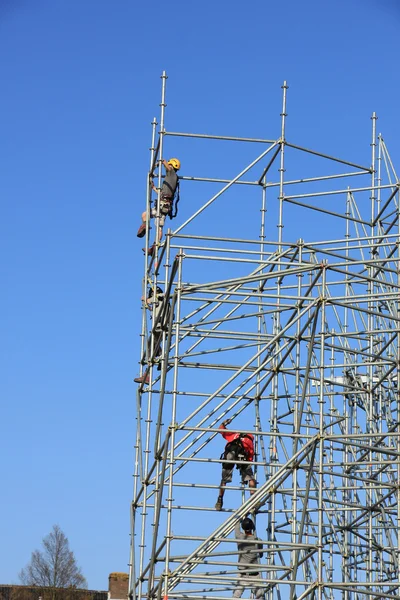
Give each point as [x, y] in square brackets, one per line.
[249, 552]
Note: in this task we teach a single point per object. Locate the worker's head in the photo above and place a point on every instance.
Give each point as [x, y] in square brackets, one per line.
[159, 292]
[248, 525]
[175, 162]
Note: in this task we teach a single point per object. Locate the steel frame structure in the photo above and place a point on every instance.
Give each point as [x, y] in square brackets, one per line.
[298, 343]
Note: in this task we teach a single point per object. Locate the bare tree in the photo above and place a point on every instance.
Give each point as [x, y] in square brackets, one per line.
[55, 566]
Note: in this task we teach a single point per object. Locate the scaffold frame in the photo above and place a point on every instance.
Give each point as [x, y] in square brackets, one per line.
[295, 341]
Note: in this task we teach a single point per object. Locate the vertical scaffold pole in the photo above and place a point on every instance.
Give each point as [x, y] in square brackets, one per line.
[321, 401]
[160, 164]
[285, 87]
[371, 336]
[397, 395]
[261, 327]
[276, 317]
[347, 516]
[173, 427]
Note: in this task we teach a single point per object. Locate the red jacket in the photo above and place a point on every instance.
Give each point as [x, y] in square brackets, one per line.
[247, 441]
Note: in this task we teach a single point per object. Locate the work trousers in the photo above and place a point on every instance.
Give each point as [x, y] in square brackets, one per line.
[244, 582]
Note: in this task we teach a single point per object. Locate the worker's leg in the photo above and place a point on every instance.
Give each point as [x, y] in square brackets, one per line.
[145, 377]
[222, 489]
[159, 236]
[157, 348]
[239, 589]
[142, 229]
[161, 224]
[259, 592]
[157, 341]
[227, 470]
[248, 477]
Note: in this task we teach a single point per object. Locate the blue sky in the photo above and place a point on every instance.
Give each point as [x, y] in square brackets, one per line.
[80, 86]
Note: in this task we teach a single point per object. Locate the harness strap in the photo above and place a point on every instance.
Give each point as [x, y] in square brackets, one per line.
[169, 186]
[173, 213]
[239, 451]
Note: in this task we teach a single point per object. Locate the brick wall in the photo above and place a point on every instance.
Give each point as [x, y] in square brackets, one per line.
[117, 590]
[22, 592]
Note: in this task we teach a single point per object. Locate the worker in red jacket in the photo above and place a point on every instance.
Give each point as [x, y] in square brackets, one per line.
[240, 447]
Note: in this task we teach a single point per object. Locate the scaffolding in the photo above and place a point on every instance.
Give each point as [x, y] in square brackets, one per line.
[298, 343]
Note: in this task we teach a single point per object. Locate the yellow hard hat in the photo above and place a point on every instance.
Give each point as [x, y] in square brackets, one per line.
[175, 162]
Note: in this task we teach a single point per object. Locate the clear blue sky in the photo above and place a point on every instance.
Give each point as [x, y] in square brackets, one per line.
[79, 87]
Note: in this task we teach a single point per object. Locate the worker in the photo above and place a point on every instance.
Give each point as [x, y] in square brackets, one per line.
[240, 447]
[249, 554]
[170, 185]
[155, 303]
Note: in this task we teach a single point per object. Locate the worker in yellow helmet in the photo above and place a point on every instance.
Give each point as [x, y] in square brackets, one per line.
[170, 185]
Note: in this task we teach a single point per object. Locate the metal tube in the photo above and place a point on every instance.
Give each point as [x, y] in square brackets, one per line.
[226, 187]
[218, 137]
[339, 160]
[173, 427]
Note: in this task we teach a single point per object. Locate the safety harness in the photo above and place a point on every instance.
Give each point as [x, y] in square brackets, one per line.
[169, 202]
[236, 446]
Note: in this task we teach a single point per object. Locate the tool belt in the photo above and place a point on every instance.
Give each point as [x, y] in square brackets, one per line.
[244, 572]
[236, 447]
[165, 204]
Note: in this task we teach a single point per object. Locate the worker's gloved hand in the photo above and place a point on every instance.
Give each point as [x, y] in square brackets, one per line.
[226, 422]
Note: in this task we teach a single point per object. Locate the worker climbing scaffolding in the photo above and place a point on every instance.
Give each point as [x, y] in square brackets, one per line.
[160, 318]
[240, 448]
[169, 198]
[249, 554]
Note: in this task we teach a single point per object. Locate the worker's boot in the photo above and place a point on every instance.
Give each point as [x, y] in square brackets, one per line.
[219, 503]
[150, 250]
[143, 379]
[142, 230]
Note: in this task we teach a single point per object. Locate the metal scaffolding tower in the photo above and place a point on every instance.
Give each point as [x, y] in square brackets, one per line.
[295, 340]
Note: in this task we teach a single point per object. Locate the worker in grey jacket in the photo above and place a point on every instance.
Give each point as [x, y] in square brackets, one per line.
[170, 185]
[249, 554]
